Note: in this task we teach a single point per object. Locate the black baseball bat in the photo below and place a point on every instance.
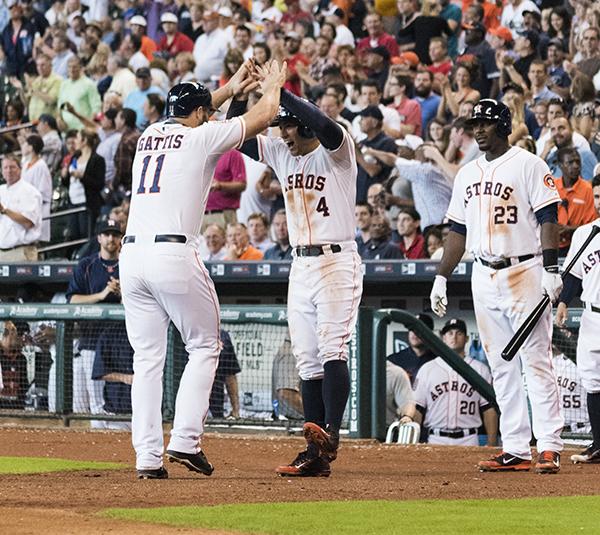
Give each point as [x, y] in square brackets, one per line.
[523, 332]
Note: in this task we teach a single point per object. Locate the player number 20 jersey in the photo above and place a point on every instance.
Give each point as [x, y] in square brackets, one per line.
[319, 189]
[497, 202]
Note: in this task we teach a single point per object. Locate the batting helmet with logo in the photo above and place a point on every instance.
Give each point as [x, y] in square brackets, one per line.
[285, 116]
[489, 109]
[186, 97]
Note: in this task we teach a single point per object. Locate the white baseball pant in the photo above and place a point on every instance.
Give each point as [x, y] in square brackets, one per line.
[588, 351]
[503, 299]
[323, 297]
[162, 282]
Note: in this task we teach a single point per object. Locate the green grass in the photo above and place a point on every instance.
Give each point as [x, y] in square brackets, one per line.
[36, 465]
[531, 516]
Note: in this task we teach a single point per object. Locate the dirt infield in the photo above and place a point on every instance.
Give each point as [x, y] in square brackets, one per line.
[244, 473]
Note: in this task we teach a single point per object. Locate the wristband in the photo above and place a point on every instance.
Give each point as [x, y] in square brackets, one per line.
[550, 259]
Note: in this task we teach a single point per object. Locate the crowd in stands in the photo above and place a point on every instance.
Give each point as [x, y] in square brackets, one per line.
[80, 80]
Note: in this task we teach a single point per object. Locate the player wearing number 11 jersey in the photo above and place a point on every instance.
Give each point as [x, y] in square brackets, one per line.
[162, 277]
[315, 162]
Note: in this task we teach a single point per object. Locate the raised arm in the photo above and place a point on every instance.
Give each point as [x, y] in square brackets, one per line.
[328, 132]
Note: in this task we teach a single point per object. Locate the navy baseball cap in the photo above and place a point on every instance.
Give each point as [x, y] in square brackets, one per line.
[109, 227]
[426, 319]
[454, 323]
[372, 111]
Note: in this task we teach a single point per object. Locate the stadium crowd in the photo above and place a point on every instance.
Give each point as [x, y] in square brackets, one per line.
[80, 79]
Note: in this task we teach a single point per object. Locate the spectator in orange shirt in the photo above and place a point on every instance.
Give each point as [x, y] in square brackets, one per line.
[138, 27]
[238, 244]
[577, 206]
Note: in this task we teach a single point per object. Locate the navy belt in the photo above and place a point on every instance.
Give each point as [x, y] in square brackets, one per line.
[460, 433]
[501, 264]
[214, 211]
[591, 307]
[316, 250]
[160, 238]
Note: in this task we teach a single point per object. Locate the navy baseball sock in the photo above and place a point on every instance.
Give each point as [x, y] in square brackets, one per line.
[593, 403]
[312, 400]
[336, 388]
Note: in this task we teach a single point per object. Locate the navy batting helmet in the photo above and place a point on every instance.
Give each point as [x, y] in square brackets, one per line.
[285, 116]
[186, 97]
[489, 109]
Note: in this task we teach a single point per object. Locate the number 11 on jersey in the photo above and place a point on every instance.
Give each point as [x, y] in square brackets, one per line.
[155, 188]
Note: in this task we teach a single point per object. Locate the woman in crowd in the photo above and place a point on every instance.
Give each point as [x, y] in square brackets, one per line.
[232, 62]
[14, 115]
[262, 53]
[85, 179]
[560, 25]
[439, 134]
[184, 68]
[456, 91]
[583, 94]
[516, 105]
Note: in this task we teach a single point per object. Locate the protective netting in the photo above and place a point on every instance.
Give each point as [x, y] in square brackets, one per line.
[256, 379]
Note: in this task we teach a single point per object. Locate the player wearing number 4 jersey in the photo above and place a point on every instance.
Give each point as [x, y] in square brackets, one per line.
[162, 277]
[504, 211]
[315, 162]
[584, 280]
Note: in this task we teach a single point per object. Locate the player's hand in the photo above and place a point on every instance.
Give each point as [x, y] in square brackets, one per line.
[405, 419]
[562, 312]
[551, 284]
[439, 300]
[272, 75]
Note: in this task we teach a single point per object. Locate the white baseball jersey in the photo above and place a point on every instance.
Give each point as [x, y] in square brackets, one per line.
[450, 400]
[496, 201]
[172, 173]
[573, 397]
[587, 268]
[319, 189]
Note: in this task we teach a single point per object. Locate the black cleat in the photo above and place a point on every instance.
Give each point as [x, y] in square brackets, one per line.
[195, 462]
[157, 473]
[327, 441]
[305, 465]
[590, 455]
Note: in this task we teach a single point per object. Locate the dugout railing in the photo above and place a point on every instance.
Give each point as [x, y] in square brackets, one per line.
[564, 340]
[258, 334]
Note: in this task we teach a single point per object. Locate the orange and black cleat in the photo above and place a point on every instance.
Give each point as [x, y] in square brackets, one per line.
[505, 462]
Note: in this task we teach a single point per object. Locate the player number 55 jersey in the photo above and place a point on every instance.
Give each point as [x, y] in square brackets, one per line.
[319, 189]
[497, 202]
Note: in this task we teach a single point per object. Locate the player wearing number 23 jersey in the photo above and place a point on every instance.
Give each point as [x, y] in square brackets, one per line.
[504, 212]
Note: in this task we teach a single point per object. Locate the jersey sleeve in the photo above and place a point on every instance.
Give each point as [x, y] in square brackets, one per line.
[456, 208]
[270, 151]
[540, 185]
[217, 137]
[344, 155]
[577, 240]
[421, 386]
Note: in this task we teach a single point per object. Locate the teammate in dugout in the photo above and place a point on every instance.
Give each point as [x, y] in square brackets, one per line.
[504, 211]
[315, 161]
[584, 280]
[447, 405]
[162, 277]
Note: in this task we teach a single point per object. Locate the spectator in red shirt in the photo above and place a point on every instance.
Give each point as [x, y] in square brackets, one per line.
[377, 36]
[412, 243]
[438, 52]
[409, 110]
[293, 56]
[173, 41]
[226, 189]
[294, 14]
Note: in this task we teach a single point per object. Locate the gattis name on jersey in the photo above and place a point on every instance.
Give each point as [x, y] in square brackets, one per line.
[450, 386]
[591, 260]
[146, 143]
[299, 181]
[496, 189]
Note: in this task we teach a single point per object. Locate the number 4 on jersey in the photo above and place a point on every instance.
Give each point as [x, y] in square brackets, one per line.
[322, 207]
[155, 188]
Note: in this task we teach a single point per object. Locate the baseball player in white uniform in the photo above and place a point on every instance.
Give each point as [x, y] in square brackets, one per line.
[315, 162]
[447, 405]
[504, 211]
[573, 397]
[162, 277]
[584, 280]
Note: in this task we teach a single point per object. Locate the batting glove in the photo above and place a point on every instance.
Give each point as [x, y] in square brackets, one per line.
[551, 284]
[439, 301]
